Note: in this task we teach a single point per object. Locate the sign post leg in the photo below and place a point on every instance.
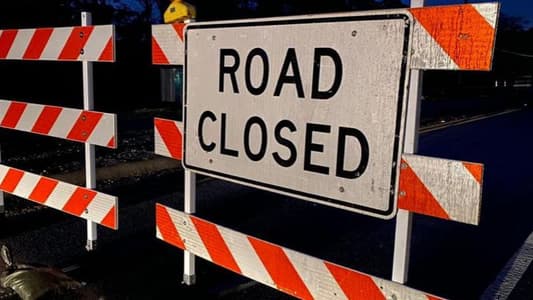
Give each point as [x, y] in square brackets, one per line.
[90, 161]
[402, 239]
[189, 272]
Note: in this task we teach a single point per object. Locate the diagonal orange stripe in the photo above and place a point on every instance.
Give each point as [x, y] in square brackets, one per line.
[415, 197]
[75, 43]
[215, 245]
[13, 114]
[108, 54]
[84, 126]
[46, 119]
[462, 32]
[171, 136]
[11, 180]
[355, 285]
[167, 228]
[110, 220]
[476, 170]
[112, 143]
[38, 42]
[158, 56]
[43, 190]
[179, 28]
[78, 201]
[280, 269]
[7, 37]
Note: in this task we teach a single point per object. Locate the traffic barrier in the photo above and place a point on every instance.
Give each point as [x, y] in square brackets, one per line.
[294, 273]
[78, 201]
[90, 127]
[86, 44]
[455, 37]
[455, 196]
[459, 37]
[167, 44]
[80, 43]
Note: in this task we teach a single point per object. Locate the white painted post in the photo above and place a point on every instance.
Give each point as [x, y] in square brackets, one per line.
[402, 240]
[189, 272]
[90, 161]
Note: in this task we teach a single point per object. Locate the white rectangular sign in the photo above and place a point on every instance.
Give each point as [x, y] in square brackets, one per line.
[312, 107]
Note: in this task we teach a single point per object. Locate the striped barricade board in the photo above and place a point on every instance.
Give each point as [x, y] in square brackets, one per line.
[80, 43]
[296, 274]
[441, 188]
[455, 37]
[168, 138]
[78, 201]
[84, 126]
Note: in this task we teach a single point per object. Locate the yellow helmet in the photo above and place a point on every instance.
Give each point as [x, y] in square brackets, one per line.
[179, 11]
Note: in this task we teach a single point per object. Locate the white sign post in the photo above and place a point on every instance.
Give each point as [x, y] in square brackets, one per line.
[313, 108]
[402, 237]
[90, 160]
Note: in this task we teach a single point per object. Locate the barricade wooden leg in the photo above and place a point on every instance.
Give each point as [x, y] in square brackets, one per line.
[189, 272]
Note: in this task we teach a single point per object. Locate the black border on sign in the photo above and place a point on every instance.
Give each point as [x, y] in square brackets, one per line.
[297, 193]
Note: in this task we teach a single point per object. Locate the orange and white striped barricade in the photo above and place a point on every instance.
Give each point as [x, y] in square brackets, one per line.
[86, 44]
[457, 37]
[294, 273]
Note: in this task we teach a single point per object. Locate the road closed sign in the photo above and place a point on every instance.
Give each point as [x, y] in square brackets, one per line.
[311, 107]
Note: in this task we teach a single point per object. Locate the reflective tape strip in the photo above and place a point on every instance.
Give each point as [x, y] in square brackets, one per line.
[90, 127]
[294, 273]
[167, 44]
[441, 188]
[87, 43]
[168, 138]
[455, 37]
[78, 201]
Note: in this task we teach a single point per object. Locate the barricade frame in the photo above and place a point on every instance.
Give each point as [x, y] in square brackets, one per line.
[86, 44]
[414, 198]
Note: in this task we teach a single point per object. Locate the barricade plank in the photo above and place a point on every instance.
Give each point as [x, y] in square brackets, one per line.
[79, 43]
[294, 273]
[84, 126]
[78, 201]
[441, 188]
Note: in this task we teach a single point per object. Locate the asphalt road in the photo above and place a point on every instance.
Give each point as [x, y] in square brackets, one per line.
[448, 259]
